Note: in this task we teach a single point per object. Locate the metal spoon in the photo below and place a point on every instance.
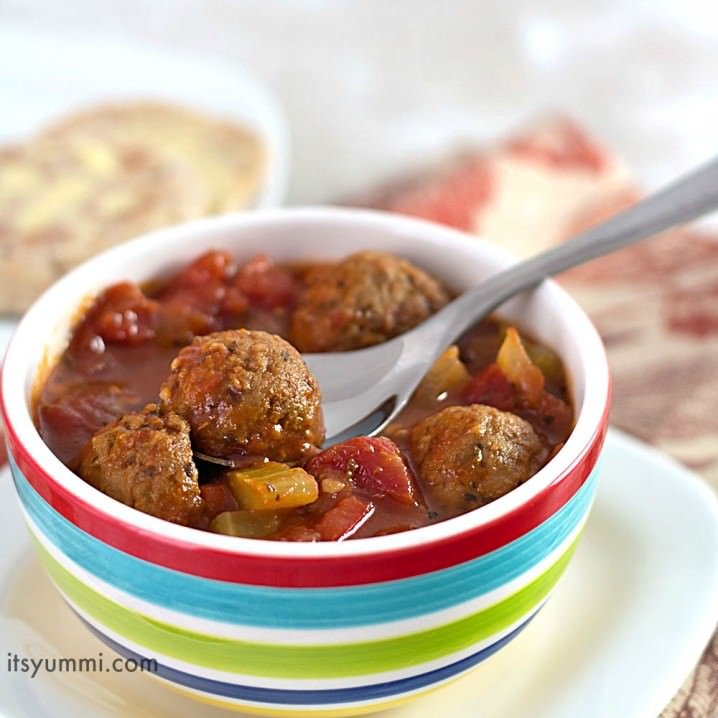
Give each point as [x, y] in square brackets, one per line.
[363, 390]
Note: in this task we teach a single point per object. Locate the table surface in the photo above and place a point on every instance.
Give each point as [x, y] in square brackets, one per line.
[372, 88]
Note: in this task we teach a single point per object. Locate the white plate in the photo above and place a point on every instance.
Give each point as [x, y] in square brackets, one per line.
[624, 628]
[45, 74]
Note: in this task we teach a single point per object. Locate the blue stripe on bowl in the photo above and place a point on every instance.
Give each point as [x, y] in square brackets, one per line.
[283, 697]
[301, 608]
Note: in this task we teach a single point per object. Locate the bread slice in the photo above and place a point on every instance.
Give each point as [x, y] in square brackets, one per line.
[65, 199]
[109, 173]
[229, 159]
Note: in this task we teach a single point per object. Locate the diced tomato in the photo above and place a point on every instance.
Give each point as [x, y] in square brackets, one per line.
[550, 416]
[206, 298]
[372, 464]
[214, 267]
[266, 284]
[192, 302]
[68, 423]
[341, 521]
[217, 498]
[491, 387]
[179, 320]
[122, 314]
[235, 301]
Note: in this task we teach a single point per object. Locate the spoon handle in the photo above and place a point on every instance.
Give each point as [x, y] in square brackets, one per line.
[690, 197]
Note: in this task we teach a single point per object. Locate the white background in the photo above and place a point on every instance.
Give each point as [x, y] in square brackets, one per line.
[375, 86]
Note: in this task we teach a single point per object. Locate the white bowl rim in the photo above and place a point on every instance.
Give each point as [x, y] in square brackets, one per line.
[590, 419]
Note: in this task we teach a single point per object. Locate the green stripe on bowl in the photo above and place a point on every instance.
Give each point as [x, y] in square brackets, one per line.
[304, 661]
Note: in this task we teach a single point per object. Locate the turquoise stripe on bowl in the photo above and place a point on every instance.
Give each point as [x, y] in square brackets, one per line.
[303, 608]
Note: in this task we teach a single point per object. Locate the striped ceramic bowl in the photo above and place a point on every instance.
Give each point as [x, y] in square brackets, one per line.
[318, 629]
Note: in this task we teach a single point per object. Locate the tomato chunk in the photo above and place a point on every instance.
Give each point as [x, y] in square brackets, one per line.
[180, 319]
[122, 314]
[193, 302]
[492, 387]
[212, 267]
[550, 416]
[70, 421]
[265, 284]
[345, 518]
[218, 498]
[373, 464]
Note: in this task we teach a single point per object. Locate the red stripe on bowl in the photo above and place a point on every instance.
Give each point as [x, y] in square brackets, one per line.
[308, 572]
[3, 450]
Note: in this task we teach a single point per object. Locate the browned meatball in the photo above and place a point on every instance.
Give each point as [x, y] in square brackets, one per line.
[469, 455]
[145, 461]
[246, 392]
[363, 300]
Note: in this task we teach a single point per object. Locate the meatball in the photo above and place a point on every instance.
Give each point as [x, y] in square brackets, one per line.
[363, 300]
[470, 455]
[145, 461]
[246, 392]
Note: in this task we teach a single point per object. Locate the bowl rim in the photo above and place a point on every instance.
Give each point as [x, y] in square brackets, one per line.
[15, 405]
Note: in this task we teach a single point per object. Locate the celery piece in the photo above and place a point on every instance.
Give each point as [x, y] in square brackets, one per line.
[248, 524]
[272, 486]
[546, 360]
